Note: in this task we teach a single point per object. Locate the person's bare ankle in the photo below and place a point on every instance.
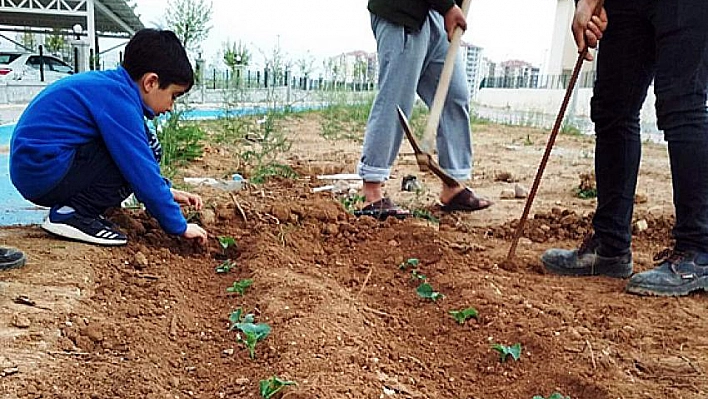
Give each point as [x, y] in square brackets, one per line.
[372, 192]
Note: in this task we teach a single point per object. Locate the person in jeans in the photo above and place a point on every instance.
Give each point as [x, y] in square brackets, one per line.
[667, 42]
[11, 258]
[412, 38]
[82, 145]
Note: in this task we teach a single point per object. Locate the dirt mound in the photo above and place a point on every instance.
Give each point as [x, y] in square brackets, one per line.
[340, 294]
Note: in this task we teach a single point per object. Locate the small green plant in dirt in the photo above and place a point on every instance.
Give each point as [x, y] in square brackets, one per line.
[272, 386]
[251, 334]
[225, 242]
[342, 120]
[408, 263]
[263, 147]
[225, 266]
[426, 291]
[505, 351]
[586, 194]
[554, 395]
[461, 316]
[240, 286]
[238, 316]
[180, 140]
[528, 141]
[570, 129]
[425, 214]
[417, 276]
[350, 201]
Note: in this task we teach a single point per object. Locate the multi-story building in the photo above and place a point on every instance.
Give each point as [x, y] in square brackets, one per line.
[474, 70]
[564, 52]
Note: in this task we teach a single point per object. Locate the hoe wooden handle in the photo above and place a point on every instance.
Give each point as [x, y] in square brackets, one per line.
[443, 85]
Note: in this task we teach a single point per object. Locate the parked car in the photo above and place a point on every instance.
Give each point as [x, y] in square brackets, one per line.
[15, 65]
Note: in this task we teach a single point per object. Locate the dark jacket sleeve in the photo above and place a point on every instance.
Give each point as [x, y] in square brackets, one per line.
[442, 6]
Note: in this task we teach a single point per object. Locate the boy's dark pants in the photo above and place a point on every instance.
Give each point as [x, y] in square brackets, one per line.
[92, 185]
[666, 41]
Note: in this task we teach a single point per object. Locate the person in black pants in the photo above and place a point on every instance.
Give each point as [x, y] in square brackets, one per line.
[665, 42]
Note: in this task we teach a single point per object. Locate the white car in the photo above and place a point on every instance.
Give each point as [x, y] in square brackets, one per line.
[15, 65]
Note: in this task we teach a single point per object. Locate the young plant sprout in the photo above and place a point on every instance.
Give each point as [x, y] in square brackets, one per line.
[272, 386]
[240, 286]
[505, 351]
[426, 291]
[462, 315]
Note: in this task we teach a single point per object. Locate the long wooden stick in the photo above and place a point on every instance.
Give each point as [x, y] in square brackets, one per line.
[443, 85]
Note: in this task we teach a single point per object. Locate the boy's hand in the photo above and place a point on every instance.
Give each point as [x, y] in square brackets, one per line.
[185, 198]
[454, 17]
[587, 27]
[194, 231]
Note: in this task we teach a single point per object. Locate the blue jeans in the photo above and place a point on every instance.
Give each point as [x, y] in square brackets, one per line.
[665, 41]
[92, 185]
[410, 63]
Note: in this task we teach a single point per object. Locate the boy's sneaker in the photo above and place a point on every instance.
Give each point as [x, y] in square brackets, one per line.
[82, 228]
[586, 261]
[11, 258]
[679, 273]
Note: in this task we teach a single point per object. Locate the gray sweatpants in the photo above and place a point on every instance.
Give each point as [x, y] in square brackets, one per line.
[411, 63]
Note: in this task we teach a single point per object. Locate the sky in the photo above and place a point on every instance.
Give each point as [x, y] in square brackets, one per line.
[506, 29]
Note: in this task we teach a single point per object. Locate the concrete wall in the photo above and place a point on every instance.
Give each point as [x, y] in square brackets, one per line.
[18, 92]
[538, 106]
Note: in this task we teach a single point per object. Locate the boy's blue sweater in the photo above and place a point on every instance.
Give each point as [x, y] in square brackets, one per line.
[98, 105]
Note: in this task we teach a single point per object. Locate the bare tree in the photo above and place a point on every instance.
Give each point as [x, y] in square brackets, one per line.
[189, 19]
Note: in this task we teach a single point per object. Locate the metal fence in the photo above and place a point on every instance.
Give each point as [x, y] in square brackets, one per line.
[585, 80]
[263, 79]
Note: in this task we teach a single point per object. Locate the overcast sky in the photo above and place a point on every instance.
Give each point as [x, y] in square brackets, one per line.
[506, 29]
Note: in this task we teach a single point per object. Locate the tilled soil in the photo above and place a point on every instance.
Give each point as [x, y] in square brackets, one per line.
[151, 319]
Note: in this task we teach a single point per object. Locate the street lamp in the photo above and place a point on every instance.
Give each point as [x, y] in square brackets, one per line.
[78, 29]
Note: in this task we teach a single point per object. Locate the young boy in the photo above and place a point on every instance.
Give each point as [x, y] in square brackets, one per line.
[82, 145]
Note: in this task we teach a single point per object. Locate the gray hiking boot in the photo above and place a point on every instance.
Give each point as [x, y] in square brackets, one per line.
[679, 273]
[586, 261]
[11, 258]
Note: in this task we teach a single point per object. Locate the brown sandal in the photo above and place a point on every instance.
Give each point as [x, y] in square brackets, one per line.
[382, 209]
[466, 201]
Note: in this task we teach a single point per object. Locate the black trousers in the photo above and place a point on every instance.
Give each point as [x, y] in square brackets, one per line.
[92, 185]
[665, 41]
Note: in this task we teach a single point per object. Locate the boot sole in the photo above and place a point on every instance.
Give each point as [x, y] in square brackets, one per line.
[70, 232]
[698, 284]
[14, 264]
[588, 272]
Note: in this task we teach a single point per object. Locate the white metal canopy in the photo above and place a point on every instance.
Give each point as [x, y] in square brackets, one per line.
[114, 18]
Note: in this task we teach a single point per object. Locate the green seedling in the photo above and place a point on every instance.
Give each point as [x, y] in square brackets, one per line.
[586, 193]
[426, 291]
[273, 385]
[349, 202]
[417, 276]
[462, 315]
[426, 215]
[554, 395]
[505, 351]
[237, 316]
[251, 334]
[411, 262]
[226, 242]
[240, 286]
[225, 266]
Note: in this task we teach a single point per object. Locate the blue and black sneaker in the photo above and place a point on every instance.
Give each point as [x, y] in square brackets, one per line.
[82, 228]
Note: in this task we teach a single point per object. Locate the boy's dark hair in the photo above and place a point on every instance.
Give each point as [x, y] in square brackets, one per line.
[160, 52]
